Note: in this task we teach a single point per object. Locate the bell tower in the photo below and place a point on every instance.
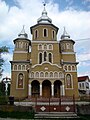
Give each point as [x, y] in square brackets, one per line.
[19, 66]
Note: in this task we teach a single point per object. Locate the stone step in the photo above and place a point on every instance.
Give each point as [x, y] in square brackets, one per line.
[56, 115]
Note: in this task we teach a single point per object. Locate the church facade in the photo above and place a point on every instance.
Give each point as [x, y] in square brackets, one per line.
[44, 66]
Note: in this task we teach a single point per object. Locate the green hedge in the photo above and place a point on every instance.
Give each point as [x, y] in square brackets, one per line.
[3, 100]
[17, 114]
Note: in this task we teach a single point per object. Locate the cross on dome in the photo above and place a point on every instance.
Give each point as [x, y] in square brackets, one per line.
[44, 18]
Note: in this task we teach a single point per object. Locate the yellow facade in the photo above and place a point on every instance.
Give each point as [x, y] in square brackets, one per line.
[44, 66]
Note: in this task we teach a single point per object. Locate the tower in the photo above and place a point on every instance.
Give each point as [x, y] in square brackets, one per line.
[19, 66]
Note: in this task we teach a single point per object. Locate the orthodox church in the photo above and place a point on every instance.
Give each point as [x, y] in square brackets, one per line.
[44, 66]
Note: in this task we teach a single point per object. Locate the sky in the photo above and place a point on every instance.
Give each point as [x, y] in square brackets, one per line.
[74, 15]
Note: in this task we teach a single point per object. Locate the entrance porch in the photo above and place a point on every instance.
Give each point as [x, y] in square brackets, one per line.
[46, 89]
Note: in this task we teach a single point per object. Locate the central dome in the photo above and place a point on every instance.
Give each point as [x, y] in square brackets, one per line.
[44, 18]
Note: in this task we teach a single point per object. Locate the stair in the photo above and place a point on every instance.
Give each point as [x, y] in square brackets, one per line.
[41, 115]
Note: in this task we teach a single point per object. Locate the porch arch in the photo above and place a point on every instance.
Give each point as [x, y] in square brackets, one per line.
[35, 90]
[57, 85]
[46, 88]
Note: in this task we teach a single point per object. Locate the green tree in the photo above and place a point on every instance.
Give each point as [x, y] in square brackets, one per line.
[3, 49]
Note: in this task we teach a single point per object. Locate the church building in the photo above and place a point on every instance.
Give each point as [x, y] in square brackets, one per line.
[44, 66]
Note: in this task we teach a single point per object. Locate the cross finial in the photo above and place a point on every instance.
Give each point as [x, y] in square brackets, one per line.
[44, 3]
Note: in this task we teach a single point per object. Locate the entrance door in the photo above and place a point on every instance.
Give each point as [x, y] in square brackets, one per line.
[46, 91]
[57, 84]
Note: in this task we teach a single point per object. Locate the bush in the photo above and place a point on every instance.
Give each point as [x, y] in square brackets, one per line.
[3, 100]
[17, 114]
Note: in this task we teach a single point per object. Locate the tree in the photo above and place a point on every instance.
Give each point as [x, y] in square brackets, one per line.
[3, 49]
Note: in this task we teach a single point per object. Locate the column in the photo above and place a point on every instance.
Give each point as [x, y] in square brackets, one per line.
[62, 90]
[40, 89]
[52, 89]
[29, 89]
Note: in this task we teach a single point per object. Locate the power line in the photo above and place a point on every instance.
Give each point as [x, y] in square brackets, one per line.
[85, 39]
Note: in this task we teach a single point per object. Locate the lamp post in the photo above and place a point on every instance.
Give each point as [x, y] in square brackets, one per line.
[6, 81]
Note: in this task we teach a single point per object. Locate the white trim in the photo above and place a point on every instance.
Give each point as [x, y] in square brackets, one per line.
[20, 51]
[44, 73]
[68, 53]
[45, 41]
[44, 63]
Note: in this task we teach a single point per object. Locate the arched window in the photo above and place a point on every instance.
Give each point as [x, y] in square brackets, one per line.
[69, 68]
[20, 81]
[46, 74]
[45, 32]
[65, 67]
[40, 47]
[68, 81]
[50, 57]
[40, 58]
[51, 74]
[15, 67]
[19, 67]
[23, 67]
[41, 74]
[55, 74]
[73, 68]
[32, 75]
[37, 74]
[45, 47]
[45, 56]
[53, 34]
[36, 33]
[50, 47]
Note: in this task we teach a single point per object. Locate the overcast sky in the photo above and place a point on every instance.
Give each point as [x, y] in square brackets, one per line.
[73, 14]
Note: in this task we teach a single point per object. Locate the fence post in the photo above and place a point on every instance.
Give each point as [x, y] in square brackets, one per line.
[73, 103]
[36, 104]
[60, 103]
[49, 104]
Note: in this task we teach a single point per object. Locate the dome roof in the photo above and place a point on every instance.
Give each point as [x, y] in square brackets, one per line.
[44, 18]
[22, 34]
[65, 35]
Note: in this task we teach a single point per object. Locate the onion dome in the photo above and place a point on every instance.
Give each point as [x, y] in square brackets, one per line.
[44, 18]
[22, 34]
[65, 35]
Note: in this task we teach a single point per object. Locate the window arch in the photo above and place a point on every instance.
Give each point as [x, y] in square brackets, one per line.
[65, 67]
[55, 74]
[69, 68]
[36, 34]
[15, 67]
[45, 32]
[46, 74]
[37, 74]
[73, 68]
[45, 56]
[68, 81]
[45, 47]
[19, 67]
[51, 74]
[40, 46]
[20, 81]
[41, 74]
[50, 47]
[40, 58]
[53, 34]
[23, 67]
[50, 57]
[32, 74]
